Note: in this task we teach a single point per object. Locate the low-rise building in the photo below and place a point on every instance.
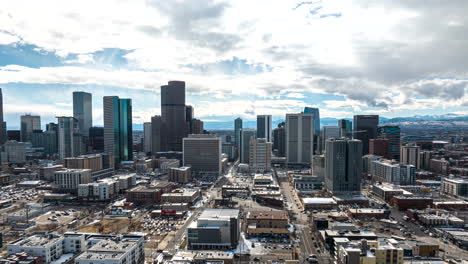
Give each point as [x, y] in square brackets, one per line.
[411, 202]
[455, 187]
[267, 224]
[70, 179]
[144, 195]
[367, 213]
[214, 229]
[319, 203]
[49, 247]
[180, 175]
[181, 196]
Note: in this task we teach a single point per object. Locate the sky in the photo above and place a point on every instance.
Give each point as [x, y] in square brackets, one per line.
[238, 58]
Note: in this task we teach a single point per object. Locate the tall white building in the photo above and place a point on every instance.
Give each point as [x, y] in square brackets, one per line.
[299, 138]
[393, 172]
[264, 127]
[147, 137]
[260, 155]
[410, 155]
[72, 178]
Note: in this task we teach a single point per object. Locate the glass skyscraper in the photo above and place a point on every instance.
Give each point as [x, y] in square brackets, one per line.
[118, 133]
[83, 111]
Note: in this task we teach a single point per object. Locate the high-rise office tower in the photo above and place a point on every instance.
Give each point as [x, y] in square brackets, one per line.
[259, 155]
[118, 133]
[316, 113]
[246, 135]
[343, 165]
[147, 131]
[29, 123]
[410, 155]
[96, 139]
[83, 111]
[345, 128]
[392, 133]
[365, 128]
[379, 147]
[3, 127]
[327, 133]
[299, 138]
[237, 129]
[279, 140]
[173, 116]
[197, 126]
[203, 154]
[156, 124]
[14, 135]
[264, 127]
[69, 144]
[189, 117]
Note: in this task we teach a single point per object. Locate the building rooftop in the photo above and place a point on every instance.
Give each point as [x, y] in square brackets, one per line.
[457, 180]
[37, 241]
[219, 213]
[319, 200]
[267, 215]
[89, 255]
[113, 245]
[367, 211]
[73, 171]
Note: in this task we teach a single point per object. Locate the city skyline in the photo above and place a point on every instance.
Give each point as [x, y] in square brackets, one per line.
[236, 62]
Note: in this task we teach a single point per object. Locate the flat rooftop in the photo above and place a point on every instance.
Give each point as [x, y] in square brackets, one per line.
[219, 213]
[319, 200]
[87, 255]
[110, 245]
[267, 215]
[37, 241]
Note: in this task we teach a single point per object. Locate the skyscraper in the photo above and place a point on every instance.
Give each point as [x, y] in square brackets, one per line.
[156, 124]
[365, 128]
[316, 113]
[259, 155]
[343, 165]
[189, 117]
[246, 135]
[197, 126]
[410, 155]
[392, 133]
[299, 138]
[279, 140]
[264, 127]
[147, 131]
[83, 111]
[29, 123]
[237, 129]
[203, 154]
[173, 116]
[118, 133]
[345, 128]
[67, 137]
[3, 127]
[96, 139]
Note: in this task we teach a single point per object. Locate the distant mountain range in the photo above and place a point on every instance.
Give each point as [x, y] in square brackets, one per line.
[327, 121]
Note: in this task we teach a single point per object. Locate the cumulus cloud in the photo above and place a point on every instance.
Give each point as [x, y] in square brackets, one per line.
[384, 55]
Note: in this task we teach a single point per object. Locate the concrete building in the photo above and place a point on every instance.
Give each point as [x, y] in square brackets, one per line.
[393, 172]
[264, 127]
[410, 155]
[156, 126]
[104, 190]
[15, 152]
[214, 229]
[346, 128]
[343, 165]
[245, 136]
[455, 186]
[175, 125]
[299, 138]
[181, 196]
[94, 162]
[203, 154]
[379, 147]
[267, 224]
[180, 175]
[70, 142]
[279, 140]
[83, 111]
[144, 195]
[392, 134]
[197, 126]
[365, 128]
[118, 131]
[70, 179]
[237, 132]
[29, 123]
[230, 150]
[147, 139]
[260, 155]
[49, 247]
